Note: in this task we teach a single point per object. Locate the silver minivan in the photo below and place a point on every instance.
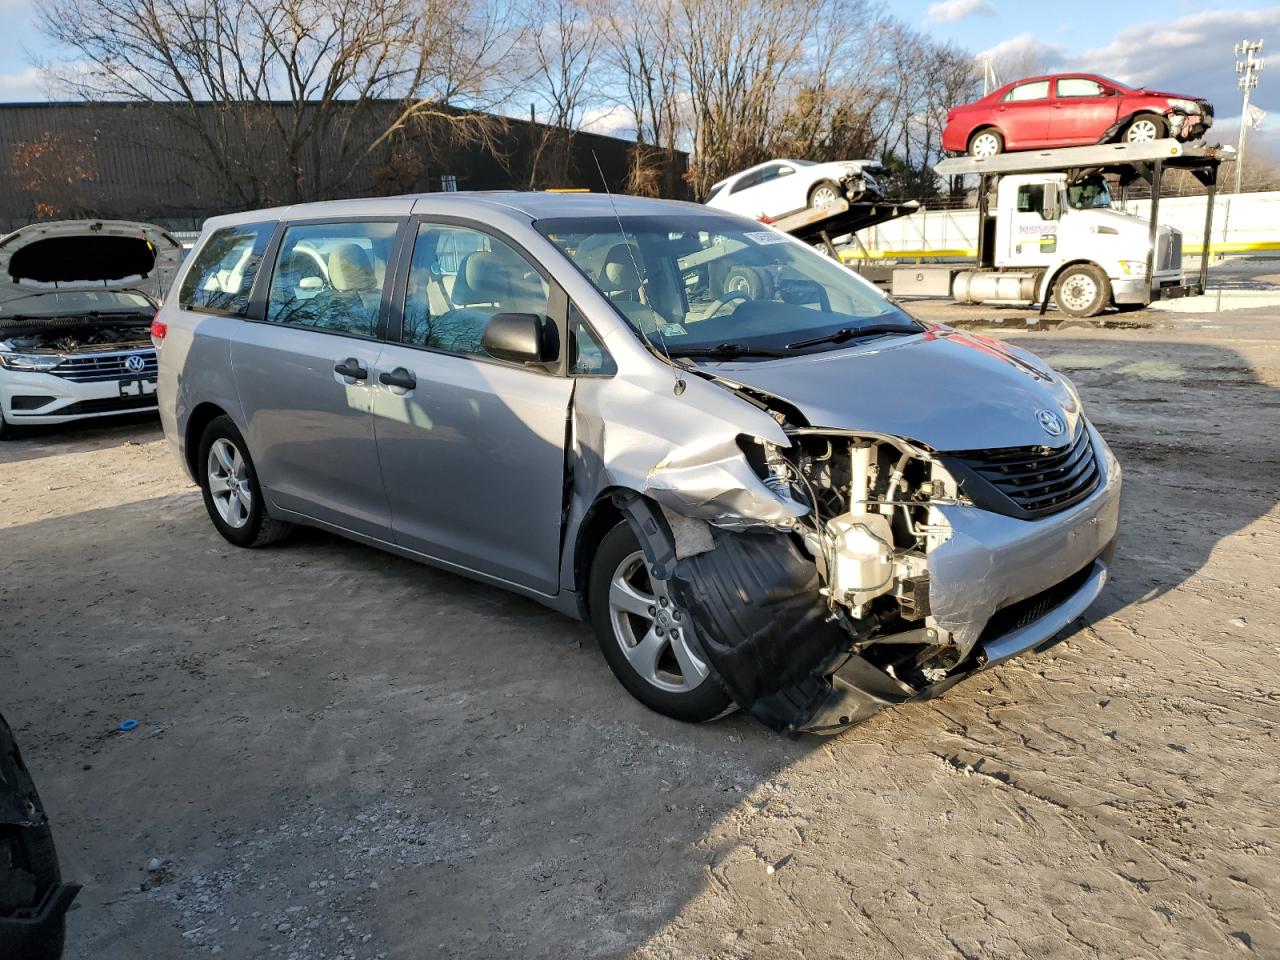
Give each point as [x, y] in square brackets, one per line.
[760, 479]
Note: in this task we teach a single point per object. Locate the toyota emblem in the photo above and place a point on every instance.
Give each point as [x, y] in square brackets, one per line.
[135, 364]
[1051, 423]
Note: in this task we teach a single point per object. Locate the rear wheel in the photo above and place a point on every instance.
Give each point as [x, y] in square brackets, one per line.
[825, 193]
[986, 143]
[752, 281]
[1082, 290]
[231, 491]
[1145, 128]
[645, 637]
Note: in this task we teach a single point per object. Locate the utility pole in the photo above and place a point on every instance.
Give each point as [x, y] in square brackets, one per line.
[990, 80]
[1248, 69]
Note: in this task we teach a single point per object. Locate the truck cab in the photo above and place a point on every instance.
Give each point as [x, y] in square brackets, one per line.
[1046, 223]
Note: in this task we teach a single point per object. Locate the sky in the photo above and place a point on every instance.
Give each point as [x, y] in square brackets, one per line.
[1184, 49]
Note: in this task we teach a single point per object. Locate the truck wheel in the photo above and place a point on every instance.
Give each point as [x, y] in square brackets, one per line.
[644, 636]
[1082, 290]
[1145, 128]
[755, 283]
[825, 193]
[986, 143]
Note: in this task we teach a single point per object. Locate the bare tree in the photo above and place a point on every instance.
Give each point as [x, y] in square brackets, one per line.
[325, 84]
[563, 40]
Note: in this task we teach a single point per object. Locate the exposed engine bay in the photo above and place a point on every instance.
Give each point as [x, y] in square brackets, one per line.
[67, 335]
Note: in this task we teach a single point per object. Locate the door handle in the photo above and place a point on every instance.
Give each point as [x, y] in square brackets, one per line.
[399, 377]
[351, 367]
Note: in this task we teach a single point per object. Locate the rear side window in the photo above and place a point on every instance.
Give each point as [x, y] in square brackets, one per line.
[1036, 90]
[221, 275]
[330, 276]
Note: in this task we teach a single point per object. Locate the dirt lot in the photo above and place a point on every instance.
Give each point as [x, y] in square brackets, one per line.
[343, 754]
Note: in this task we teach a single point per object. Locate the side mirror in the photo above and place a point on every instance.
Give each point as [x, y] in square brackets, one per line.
[518, 338]
[1049, 210]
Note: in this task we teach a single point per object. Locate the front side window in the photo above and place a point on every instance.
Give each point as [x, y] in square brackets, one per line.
[458, 279]
[587, 356]
[1079, 87]
[1089, 194]
[221, 275]
[1031, 198]
[329, 276]
[1036, 90]
[705, 285]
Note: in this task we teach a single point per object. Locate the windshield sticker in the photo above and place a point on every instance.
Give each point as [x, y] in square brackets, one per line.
[672, 330]
[766, 237]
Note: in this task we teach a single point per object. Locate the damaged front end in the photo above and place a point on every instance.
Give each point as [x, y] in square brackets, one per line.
[813, 612]
[843, 571]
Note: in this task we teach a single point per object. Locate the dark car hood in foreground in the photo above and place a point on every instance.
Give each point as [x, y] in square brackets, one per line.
[943, 388]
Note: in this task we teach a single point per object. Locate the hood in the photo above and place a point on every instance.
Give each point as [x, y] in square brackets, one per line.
[79, 255]
[1172, 96]
[943, 388]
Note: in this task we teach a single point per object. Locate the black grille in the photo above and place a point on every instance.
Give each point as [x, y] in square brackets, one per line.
[28, 402]
[90, 368]
[1018, 615]
[105, 405]
[1028, 482]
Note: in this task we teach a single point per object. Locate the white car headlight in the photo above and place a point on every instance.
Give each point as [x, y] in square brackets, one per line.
[29, 362]
[1186, 106]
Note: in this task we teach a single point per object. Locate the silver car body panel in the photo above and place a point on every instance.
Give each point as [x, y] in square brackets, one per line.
[493, 471]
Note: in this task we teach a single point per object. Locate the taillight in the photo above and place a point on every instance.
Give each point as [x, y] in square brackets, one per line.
[158, 329]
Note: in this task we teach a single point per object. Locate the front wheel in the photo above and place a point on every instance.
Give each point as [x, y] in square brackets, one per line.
[231, 491]
[1146, 128]
[645, 637]
[825, 194]
[1082, 290]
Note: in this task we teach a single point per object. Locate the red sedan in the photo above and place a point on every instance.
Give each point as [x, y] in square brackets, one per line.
[1068, 110]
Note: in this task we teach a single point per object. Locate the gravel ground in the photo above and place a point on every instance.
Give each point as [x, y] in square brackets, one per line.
[344, 754]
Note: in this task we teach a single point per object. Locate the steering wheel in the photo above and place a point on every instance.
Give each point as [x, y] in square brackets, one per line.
[724, 300]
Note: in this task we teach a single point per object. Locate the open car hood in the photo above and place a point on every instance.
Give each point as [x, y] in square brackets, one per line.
[943, 388]
[71, 255]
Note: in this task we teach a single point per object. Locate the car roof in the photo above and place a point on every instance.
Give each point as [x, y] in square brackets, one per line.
[1085, 75]
[536, 205]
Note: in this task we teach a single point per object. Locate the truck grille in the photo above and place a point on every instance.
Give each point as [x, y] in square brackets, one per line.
[1028, 482]
[92, 367]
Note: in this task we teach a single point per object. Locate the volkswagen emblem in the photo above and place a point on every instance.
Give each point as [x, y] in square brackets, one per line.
[1051, 423]
[135, 364]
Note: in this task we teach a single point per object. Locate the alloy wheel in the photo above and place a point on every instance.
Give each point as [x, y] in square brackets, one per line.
[1142, 131]
[651, 630]
[825, 196]
[229, 483]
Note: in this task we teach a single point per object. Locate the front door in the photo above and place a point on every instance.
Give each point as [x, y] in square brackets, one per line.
[1083, 110]
[1032, 235]
[305, 374]
[472, 448]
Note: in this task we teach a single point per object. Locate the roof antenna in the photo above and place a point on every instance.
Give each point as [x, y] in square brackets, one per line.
[657, 326]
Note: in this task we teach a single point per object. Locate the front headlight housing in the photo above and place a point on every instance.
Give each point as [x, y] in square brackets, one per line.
[1133, 268]
[1186, 106]
[29, 362]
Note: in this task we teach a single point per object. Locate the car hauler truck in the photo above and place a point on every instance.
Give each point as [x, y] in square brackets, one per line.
[1053, 233]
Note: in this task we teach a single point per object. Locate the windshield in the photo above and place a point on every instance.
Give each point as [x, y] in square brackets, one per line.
[705, 285]
[1089, 193]
[58, 303]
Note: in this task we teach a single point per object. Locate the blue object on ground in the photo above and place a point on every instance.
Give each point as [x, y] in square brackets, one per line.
[127, 725]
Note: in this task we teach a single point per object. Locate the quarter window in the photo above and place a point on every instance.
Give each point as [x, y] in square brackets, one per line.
[1078, 87]
[329, 276]
[587, 357]
[458, 279]
[1035, 90]
[221, 275]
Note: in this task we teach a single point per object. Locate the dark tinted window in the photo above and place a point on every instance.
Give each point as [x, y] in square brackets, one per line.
[222, 272]
[330, 276]
[1031, 198]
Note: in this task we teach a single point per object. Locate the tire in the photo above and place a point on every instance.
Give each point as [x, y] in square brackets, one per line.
[237, 509]
[1082, 290]
[6, 431]
[825, 193]
[663, 687]
[988, 142]
[28, 858]
[1146, 127]
[753, 281]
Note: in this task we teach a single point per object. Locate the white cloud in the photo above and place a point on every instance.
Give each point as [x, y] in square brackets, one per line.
[1025, 55]
[949, 11]
[28, 84]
